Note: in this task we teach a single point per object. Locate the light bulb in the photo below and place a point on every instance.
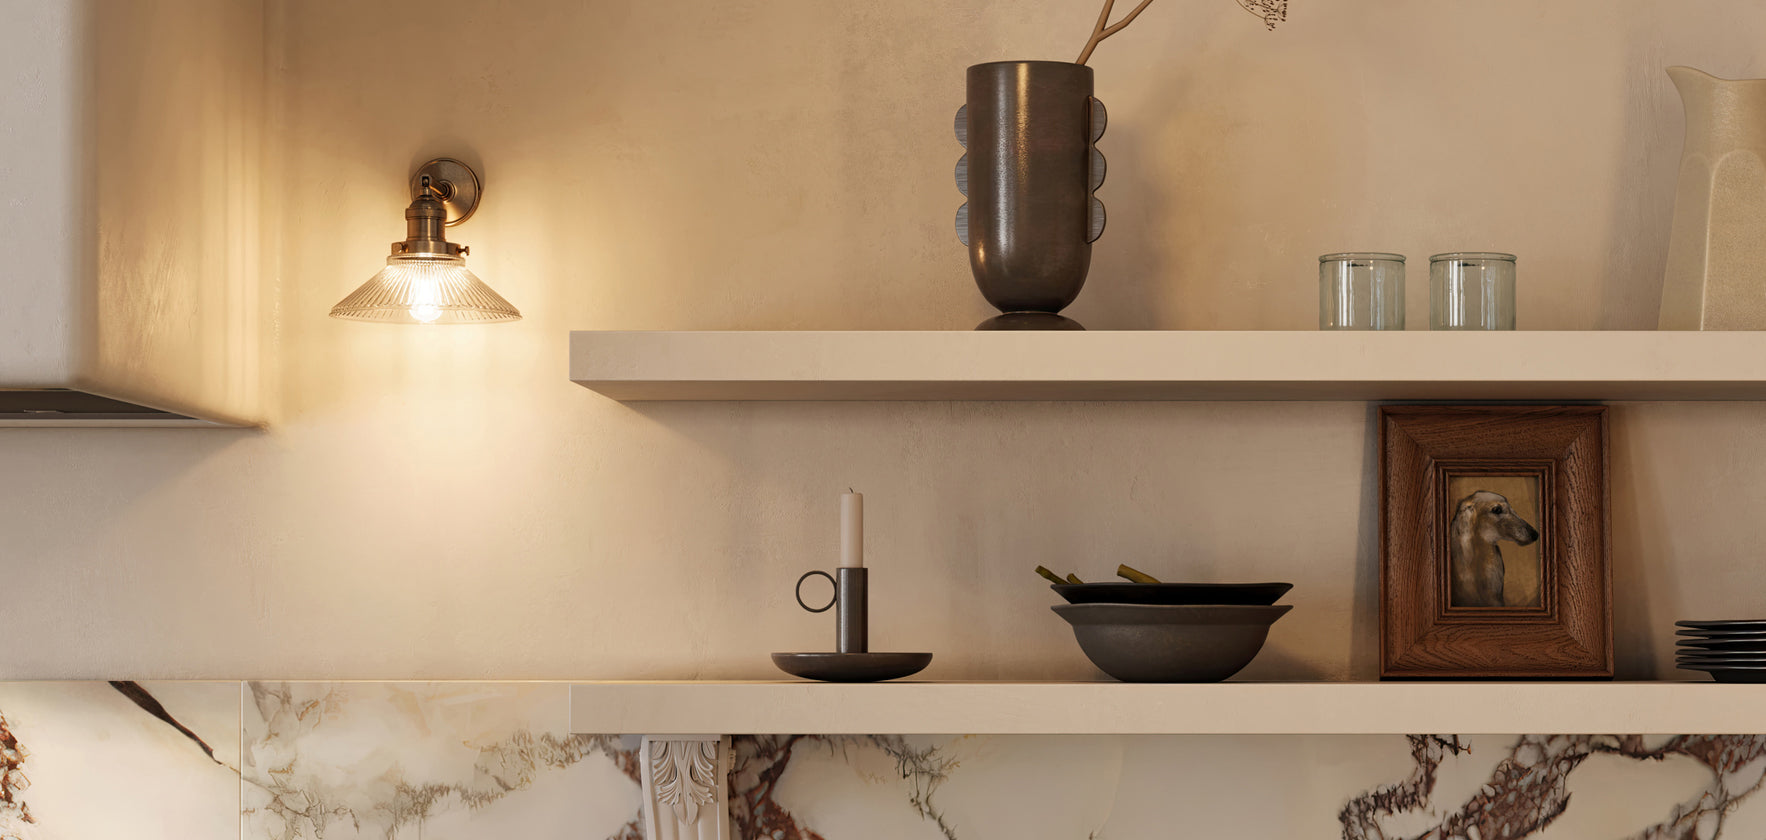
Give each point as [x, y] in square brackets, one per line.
[425, 295]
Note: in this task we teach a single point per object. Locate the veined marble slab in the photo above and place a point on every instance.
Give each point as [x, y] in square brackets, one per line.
[436, 761]
[143, 761]
[1384, 787]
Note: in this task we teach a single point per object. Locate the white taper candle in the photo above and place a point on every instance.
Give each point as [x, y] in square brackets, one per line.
[852, 530]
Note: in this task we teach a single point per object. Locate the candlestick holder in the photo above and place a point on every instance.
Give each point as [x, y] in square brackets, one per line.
[852, 659]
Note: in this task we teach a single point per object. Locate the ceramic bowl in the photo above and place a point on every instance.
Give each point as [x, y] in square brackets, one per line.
[1170, 643]
[1261, 594]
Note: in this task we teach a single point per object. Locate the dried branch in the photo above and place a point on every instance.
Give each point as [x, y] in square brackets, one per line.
[1100, 31]
[1096, 32]
[1272, 11]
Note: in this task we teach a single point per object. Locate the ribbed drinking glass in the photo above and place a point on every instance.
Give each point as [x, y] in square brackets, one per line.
[1361, 291]
[1472, 290]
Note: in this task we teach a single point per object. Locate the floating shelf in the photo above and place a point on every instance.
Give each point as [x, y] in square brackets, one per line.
[1086, 708]
[1416, 365]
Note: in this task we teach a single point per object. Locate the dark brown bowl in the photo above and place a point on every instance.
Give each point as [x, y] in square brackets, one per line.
[1170, 643]
[1173, 594]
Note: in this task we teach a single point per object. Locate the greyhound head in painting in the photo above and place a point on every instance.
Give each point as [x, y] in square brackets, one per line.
[1479, 522]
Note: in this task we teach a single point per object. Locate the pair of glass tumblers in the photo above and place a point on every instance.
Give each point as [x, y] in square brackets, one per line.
[1467, 291]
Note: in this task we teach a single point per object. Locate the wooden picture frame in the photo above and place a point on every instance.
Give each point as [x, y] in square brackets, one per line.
[1459, 487]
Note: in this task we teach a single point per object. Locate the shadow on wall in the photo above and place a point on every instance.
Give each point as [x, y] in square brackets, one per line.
[1364, 611]
[1277, 665]
[1641, 560]
[1130, 284]
[1643, 199]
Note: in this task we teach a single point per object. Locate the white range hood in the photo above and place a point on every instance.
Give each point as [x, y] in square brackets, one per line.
[131, 159]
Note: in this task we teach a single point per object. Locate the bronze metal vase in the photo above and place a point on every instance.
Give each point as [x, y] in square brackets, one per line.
[1030, 130]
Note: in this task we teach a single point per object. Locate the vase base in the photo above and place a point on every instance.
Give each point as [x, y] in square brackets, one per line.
[1029, 321]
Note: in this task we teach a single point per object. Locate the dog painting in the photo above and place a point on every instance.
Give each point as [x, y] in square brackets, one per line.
[1492, 541]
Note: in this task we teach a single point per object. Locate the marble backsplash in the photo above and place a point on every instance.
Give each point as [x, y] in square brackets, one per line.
[450, 761]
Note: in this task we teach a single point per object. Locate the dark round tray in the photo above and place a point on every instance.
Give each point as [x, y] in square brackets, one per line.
[1173, 594]
[852, 667]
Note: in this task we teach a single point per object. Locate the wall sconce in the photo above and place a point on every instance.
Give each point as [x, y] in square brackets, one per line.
[425, 281]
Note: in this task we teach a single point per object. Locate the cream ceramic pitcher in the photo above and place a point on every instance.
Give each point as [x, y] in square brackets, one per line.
[1716, 277]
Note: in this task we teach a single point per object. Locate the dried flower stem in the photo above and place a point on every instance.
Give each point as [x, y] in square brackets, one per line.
[1101, 31]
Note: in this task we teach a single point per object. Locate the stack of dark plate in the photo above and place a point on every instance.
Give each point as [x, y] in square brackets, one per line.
[1730, 651]
[1171, 632]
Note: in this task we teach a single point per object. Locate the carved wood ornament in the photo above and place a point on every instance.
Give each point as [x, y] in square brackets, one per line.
[686, 787]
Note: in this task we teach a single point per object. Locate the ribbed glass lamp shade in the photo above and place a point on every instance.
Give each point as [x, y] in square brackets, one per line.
[428, 289]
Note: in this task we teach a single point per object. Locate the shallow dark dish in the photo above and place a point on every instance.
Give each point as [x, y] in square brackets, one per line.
[1692, 653]
[1170, 643]
[1186, 594]
[852, 667]
[1714, 645]
[1722, 634]
[1754, 624]
[1749, 660]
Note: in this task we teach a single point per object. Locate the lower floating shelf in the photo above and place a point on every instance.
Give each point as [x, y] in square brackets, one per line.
[1101, 708]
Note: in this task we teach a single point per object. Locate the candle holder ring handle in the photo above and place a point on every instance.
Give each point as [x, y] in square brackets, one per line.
[831, 582]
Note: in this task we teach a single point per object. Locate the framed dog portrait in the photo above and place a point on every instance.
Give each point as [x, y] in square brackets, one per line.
[1493, 523]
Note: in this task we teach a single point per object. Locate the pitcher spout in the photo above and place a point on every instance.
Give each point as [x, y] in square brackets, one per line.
[1691, 81]
[1721, 113]
[1700, 93]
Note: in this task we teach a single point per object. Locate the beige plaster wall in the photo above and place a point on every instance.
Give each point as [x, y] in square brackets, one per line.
[445, 503]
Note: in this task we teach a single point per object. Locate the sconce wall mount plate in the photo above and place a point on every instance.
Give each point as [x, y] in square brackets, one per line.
[457, 184]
